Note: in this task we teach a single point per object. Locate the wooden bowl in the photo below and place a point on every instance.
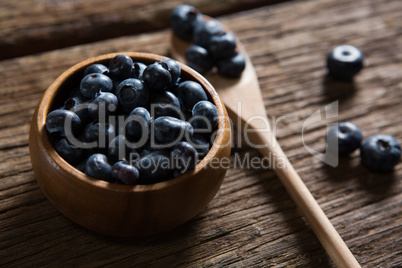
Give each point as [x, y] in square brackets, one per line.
[124, 210]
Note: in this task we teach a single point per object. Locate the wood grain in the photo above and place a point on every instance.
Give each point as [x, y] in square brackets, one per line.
[252, 221]
[34, 26]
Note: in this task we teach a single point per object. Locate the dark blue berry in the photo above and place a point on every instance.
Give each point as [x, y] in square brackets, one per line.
[222, 45]
[98, 167]
[99, 132]
[189, 93]
[169, 130]
[125, 173]
[154, 167]
[205, 116]
[121, 67]
[174, 70]
[131, 93]
[348, 136]
[185, 156]
[183, 20]
[157, 76]
[72, 154]
[138, 124]
[119, 149]
[95, 83]
[138, 70]
[104, 104]
[199, 59]
[232, 66]
[96, 68]
[201, 144]
[165, 104]
[204, 31]
[63, 123]
[79, 106]
[380, 153]
[344, 62]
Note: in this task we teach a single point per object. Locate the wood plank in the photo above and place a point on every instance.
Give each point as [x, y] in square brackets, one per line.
[28, 27]
[252, 221]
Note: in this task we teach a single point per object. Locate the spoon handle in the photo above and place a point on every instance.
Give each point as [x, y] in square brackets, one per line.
[322, 227]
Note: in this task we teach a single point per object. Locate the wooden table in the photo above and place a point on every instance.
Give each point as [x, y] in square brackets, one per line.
[252, 221]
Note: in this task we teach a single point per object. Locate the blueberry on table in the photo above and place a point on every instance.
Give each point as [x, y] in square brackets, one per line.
[204, 31]
[157, 76]
[125, 173]
[189, 93]
[98, 167]
[174, 70]
[104, 104]
[344, 62]
[205, 116]
[199, 59]
[131, 93]
[138, 123]
[63, 123]
[380, 153]
[183, 20]
[96, 68]
[347, 135]
[95, 83]
[138, 70]
[154, 167]
[222, 45]
[72, 154]
[165, 104]
[121, 67]
[184, 156]
[169, 130]
[232, 66]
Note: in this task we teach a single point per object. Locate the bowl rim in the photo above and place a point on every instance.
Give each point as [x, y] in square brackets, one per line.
[48, 96]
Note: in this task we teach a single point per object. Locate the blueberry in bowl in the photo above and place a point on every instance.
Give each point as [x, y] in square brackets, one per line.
[113, 193]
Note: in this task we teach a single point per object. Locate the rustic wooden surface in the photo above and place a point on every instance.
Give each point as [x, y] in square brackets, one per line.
[252, 221]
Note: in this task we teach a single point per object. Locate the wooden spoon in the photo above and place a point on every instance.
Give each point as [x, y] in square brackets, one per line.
[243, 100]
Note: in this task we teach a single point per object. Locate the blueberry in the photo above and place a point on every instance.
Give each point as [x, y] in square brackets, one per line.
[348, 136]
[232, 66]
[222, 45]
[94, 83]
[104, 104]
[63, 123]
[138, 70]
[169, 130]
[131, 93]
[119, 148]
[79, 106]
[121, 67]
[154, 167]
[205, 116]
[165, 104]
[380, 153]
[125, 173]
[138, 123]
[201, 144]
[344, 62]
[157, 76]
[189, 93]
[199, 59]
[99, 132]
[185, 156]
[174, 70]
[72, 154]
[204, 31]
[97, 166]
[183, 20]
[96, 68]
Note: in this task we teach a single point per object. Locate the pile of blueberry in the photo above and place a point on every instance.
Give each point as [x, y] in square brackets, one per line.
[133, 123]
[379, 153]
[212, 45]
